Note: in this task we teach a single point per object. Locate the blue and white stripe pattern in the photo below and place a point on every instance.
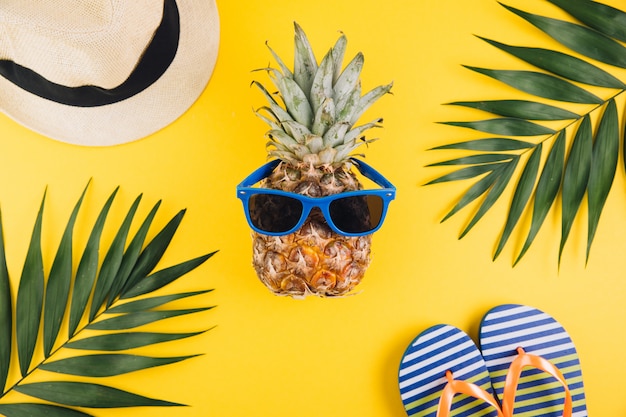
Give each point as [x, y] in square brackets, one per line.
[423, 368]
[507, 327]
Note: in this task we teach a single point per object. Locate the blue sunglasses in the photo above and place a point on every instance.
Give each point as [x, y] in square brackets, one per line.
[278, 213]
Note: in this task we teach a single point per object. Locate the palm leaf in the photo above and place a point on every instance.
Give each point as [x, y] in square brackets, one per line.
[583, 154]
[520, 109]
[506, 126]
[103, 365]
[81, 394]
[523, 191]
[479, 188]
[546, 191]
[562, 64]
[112, 262]
[141, 318]
[95, 303]
[603, 167]
[576, 177]
[30, 298]
[542, 85]
[605, 19]
[490, 145]
[33, 409]
[582, 39]
[6, 315]
[87, 268]
[501, 181]
[144, 304]
[154, 250]
[59, 281]
[130, 256]
[163, 277]
[126, 340]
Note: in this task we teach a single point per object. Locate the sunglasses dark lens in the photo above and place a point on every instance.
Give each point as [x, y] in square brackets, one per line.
[358, 214]
[274, 213]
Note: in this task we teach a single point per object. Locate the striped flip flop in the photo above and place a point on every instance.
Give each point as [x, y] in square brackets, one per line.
[440, 362]
[508, 331]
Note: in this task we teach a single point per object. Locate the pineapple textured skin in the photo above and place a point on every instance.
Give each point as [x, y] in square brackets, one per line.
[313, 260]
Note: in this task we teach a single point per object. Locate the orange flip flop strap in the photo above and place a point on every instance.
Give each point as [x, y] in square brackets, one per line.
[454, 387]
[515, 371]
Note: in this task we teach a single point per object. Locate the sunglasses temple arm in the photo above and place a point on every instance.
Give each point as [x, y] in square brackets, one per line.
[364, 168]
[259, 174]
[369, 172]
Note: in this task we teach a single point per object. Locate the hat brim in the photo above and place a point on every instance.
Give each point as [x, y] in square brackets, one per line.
[139, 116]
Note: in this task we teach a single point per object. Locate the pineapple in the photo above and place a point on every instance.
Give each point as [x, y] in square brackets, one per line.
[312, 132]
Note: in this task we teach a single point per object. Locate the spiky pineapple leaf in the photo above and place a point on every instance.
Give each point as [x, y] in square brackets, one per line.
[296, 101]
[305, 64]
[120, 265]
[322, 88]
[589, 167]
[338, 52]
[278, 112]
[315, 106]
[349, 77]
[367, 100]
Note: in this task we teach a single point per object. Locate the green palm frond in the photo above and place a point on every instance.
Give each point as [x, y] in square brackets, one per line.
[111, 296]
[549, 164]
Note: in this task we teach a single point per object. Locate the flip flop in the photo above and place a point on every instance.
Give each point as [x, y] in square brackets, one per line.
[442, 373]
[507, 333]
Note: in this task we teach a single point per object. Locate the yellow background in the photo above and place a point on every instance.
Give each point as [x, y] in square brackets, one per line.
[272, 356]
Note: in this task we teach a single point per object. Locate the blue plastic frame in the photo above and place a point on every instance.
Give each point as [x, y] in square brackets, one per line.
[245, 190]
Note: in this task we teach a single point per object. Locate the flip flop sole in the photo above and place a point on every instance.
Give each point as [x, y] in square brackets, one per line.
[423, 368]
[507, 327]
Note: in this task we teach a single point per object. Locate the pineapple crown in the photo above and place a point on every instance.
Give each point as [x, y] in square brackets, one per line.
[320, 105]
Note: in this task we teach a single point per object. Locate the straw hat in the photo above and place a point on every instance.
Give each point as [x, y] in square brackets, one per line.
[104, 72]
